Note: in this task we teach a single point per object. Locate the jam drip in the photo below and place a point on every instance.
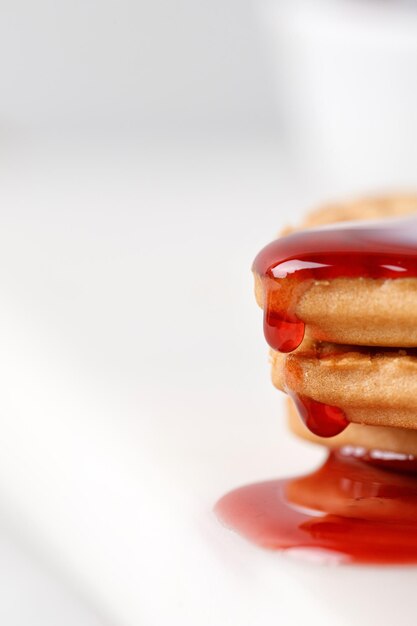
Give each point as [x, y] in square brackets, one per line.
[348, 509]
[321, 419]
[283, 330]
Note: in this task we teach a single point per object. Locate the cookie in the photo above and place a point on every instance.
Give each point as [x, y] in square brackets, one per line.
[371, 208]
[369, 386]
[356, 285]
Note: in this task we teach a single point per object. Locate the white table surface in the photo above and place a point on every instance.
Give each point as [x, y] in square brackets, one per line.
[135, 389]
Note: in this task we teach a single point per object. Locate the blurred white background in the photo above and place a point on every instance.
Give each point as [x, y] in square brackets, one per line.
[134, 65]
[147, 151]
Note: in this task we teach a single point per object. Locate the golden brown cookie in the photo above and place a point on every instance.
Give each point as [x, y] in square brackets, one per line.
[360, 311]
[371, 386]
[352, 310]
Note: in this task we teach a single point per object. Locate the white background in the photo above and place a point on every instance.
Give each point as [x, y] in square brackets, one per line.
[134, 64]
[147, 151]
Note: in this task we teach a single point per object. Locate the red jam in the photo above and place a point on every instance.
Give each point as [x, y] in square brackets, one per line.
[321, 419]
[348, 510]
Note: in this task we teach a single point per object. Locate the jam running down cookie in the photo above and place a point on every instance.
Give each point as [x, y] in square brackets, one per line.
[340, 315]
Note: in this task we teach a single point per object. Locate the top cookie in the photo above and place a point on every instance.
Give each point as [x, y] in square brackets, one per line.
[352, 285]
[373, 208]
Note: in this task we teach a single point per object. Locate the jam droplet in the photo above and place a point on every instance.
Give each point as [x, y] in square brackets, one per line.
[321, 419]
[347, 508]
[283, 332]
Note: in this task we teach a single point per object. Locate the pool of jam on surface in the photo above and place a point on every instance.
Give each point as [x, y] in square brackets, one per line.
[288, 264]
[349, 508]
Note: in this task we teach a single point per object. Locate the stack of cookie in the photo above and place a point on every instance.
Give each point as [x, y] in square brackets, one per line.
[340, 314]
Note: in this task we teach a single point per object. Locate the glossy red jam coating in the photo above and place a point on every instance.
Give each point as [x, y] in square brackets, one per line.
[383, 250]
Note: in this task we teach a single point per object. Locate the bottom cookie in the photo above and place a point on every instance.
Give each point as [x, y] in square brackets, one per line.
[384, 438]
